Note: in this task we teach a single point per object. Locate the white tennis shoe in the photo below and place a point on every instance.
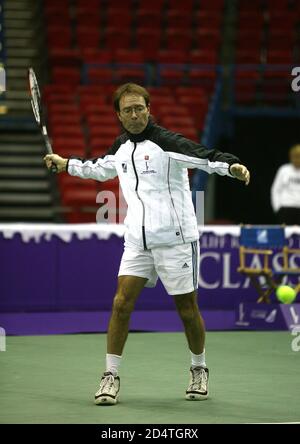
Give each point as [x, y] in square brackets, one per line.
[108, 392]
[198, 386]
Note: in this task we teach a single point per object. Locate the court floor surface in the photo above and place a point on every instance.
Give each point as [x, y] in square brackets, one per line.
[254, 378]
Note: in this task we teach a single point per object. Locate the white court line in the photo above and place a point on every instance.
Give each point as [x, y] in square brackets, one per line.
[272, 422]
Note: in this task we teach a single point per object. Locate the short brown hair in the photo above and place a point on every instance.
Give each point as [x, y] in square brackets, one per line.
[294, 148]
[129, 88]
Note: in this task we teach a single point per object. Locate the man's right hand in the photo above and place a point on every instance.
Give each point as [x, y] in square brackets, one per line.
[55, 159]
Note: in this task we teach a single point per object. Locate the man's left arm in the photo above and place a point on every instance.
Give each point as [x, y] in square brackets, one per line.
[189, 154]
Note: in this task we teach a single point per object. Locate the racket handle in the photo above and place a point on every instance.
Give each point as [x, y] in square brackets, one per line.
[53, 168]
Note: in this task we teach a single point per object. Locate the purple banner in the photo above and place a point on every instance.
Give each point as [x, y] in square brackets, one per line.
[251, 316]
[53, 275]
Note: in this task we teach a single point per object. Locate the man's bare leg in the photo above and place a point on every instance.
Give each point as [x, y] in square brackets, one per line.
[129, 289]
[194, 327]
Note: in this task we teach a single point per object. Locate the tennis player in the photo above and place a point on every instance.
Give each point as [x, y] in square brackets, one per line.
[161, 238]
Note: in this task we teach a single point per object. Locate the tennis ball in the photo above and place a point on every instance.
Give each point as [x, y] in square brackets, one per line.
[285, 294]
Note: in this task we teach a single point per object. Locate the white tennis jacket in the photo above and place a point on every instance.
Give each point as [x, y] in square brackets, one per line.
[152, 169]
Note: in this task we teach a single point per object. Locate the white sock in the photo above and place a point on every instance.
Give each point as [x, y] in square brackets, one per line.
[198, 360]
[113, 363]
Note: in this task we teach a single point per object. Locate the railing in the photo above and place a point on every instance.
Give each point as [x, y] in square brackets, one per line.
[263, 86]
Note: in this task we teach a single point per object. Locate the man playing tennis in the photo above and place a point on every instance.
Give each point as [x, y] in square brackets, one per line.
[161, 238]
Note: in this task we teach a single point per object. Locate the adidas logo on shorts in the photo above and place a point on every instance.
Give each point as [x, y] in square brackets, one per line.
[185, 265]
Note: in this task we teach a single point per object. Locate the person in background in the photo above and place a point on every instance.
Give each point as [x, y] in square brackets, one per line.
[285, 190]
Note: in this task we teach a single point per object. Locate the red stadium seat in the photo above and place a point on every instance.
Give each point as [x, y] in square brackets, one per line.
[52, 9]
[116, 38]
[281, 40]
[60, 130]
[101, 143]
[80, 197]
[97, 108]
[282, 20]
[277, 4]
[179, 19]
[193, 92]
[88, 37]
[100, 120]
[202, 77]
[64, 56]
[112, 131]
[89, 99]
[248, 56]
[61, 108]
[87, 18]
[115, 16]
[251, 20]
[63, 75]
[128, 56]
[51, 96]
[187, 5]
[203, 56]
[280, 57]
[59, 37]
[172, 56]
[57, 18]
[99, 75]
[207, 39]
[70, 143]
[245, 85]
[172, 75]
[179, 111]
[130, 74]
[208, 19]
[249, 39]
[126, 5]
[148, 40]
[155, 4]
[177, 120]
[63, 119]
[177, 39]
[254, 5]
[95, 55]
[212, 5]
[147, 18]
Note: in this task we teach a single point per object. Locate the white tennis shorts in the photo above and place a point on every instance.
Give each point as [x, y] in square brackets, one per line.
[176, 266]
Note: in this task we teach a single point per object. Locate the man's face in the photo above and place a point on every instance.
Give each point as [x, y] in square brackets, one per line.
[134, 114]
[295, 157]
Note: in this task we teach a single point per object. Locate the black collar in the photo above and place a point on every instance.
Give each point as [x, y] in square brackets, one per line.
[144, 134]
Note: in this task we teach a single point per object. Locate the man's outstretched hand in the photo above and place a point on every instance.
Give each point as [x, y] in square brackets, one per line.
[55, 159]
[240, 172]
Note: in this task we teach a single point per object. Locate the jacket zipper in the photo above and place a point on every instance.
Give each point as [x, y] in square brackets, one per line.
[136, 190]
[180, 228]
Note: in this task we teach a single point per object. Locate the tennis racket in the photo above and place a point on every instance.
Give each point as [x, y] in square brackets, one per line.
[36, 104]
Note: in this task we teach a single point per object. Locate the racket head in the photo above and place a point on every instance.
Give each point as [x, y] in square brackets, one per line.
[35, 95]
[37, 111]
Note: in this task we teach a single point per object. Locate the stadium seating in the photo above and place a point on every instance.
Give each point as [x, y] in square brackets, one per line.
[172, 47]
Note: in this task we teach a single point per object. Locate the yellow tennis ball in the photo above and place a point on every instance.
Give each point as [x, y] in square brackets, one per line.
[285, 294]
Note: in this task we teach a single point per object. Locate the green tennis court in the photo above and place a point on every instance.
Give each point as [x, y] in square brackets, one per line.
[52, 379]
